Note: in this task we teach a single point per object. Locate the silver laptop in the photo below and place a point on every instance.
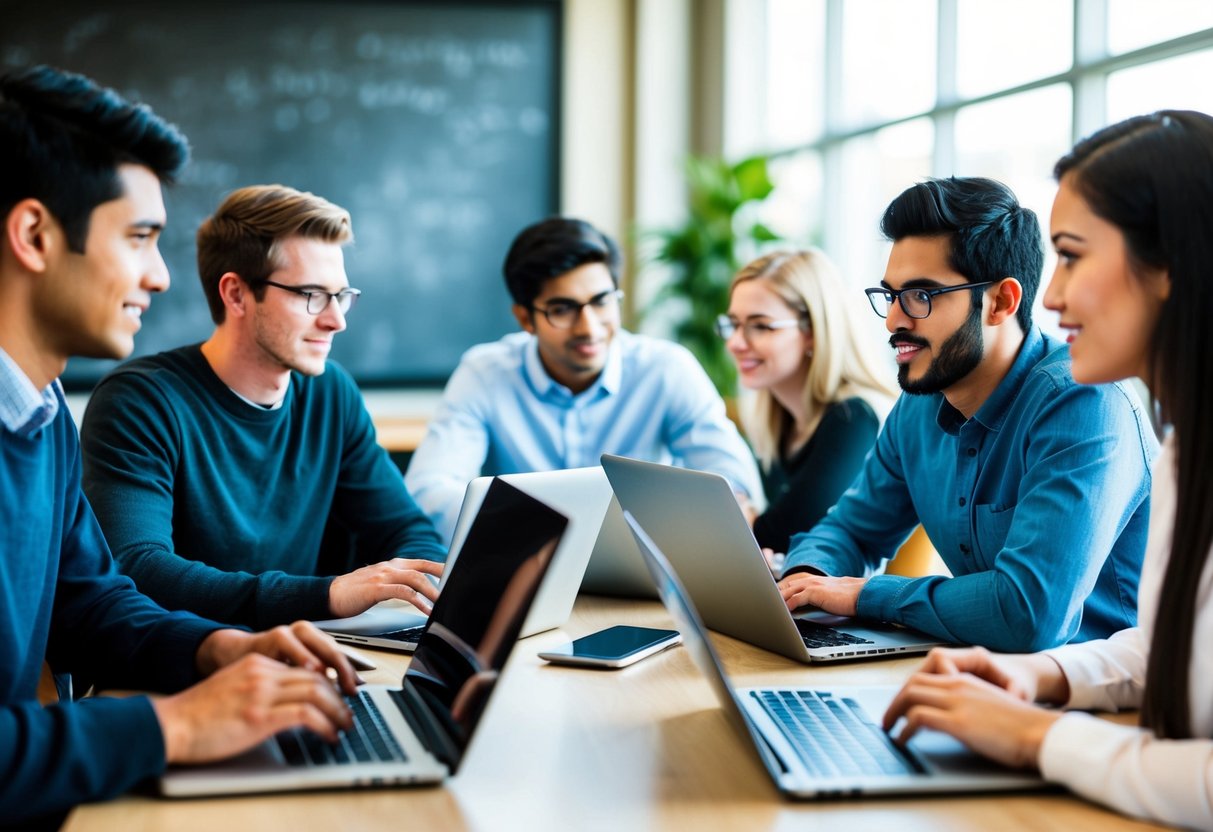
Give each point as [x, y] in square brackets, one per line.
[695, 518]
[596, 534]
[827, 743]
[417, 733]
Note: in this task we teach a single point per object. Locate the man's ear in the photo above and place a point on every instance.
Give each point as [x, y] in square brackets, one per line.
[235, 294]
[525, 318]
[32, 234]
[1008, 294]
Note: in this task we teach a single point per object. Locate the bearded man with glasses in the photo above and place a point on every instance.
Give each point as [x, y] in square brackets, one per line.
[572, 385]
[240, 478]
[1033, 488]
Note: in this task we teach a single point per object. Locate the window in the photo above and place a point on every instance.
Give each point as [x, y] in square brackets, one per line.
[866, 97]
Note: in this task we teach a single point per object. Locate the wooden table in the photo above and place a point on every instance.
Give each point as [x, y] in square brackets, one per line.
[646, 747]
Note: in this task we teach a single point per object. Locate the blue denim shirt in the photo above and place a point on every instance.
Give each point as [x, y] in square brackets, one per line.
[1039, 505]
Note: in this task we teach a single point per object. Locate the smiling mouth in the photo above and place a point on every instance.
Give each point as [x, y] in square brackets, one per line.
[905, 351]
[132, 310]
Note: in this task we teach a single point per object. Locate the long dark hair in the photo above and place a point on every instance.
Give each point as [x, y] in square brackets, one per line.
[1152, 177]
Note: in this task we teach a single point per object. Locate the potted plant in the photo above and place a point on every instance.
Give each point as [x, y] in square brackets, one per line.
[702, 255]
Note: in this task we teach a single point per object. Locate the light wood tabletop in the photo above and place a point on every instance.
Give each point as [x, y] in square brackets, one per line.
[645, 747]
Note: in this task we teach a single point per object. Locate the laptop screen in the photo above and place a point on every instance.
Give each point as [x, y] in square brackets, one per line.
[695, 638]
[478, 616]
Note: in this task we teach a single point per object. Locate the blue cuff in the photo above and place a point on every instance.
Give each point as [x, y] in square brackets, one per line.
[880, 598]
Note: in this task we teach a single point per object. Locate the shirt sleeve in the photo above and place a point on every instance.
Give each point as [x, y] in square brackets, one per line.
[700, 434]
[57, 757]
[105, 631]
[838, 448]
[870, 521]
[371, 497]
[132, 446]
[1105, 675]
[1131, 770]
[1082, 485]
[454, 449]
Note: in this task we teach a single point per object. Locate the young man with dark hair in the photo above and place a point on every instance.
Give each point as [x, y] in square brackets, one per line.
[572, 385]
[1033, 488]
[81, 200]
[215, 468]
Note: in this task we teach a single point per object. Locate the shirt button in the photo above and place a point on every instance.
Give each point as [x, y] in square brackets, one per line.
[962, 501]
[964, 549]
[972, 452]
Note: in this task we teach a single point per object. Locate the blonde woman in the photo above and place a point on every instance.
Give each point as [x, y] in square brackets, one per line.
[818, 395]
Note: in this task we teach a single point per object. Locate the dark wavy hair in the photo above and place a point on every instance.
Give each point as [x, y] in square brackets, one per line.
[62, 138]
[991, 235]
[1152, 177]
[550, 248]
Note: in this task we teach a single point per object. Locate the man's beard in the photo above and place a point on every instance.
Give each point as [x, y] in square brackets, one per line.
[958, 356]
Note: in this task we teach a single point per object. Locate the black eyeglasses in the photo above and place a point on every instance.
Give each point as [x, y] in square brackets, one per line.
[318, 300]
[915, 302]
[562, 314]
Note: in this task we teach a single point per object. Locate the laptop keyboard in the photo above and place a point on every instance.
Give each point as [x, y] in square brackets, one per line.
[369, 741]
[412, 634]
[833, 737]
[818, 635]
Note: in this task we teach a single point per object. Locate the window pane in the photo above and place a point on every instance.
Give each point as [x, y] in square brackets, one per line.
[795, 66]
[793, 210]
[1002, 45]
[1175, 84]
[1136, 23]
[1017, 140]
[875, 168]
[888, 57]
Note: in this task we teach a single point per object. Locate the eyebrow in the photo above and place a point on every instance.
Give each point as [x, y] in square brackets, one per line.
[151, 225]
[917, 283]
[574, 300]
[1060, 234]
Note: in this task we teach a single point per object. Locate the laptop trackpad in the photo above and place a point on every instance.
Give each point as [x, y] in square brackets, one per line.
[946, 755]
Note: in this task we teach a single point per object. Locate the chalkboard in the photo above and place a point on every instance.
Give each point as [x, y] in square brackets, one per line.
[434, 123]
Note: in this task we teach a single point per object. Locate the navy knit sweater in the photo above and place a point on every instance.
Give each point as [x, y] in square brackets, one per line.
[62, 598]
[221, 508]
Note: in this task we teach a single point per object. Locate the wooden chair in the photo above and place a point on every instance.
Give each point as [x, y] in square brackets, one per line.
[917, 557]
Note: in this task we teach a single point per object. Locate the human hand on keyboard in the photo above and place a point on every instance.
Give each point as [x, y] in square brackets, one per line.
[399, 578]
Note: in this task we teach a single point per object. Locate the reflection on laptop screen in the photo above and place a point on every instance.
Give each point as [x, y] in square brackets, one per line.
[695, 635]
[478, 616]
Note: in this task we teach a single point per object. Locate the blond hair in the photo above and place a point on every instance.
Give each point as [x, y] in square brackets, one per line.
[843, 365]
[245, 233]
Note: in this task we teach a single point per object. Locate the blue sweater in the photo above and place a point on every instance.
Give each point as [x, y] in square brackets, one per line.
[231, 511]
[61, 598]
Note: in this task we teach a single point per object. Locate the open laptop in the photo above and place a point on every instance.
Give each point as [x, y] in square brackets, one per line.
[596, 534]
[827, 743]
[417, 733]
[695, 518]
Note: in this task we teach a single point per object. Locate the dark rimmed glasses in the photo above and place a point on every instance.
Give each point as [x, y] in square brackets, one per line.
[563, 313]
[916, 301]
[317, 299]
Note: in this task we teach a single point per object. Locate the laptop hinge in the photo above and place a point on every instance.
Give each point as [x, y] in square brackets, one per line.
[436, 741]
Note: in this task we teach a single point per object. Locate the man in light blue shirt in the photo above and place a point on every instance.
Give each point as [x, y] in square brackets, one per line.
[1033, 488]
[572, 385]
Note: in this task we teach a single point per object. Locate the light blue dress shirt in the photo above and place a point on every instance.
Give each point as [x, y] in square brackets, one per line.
[501, 413]
[23, 408]
[1039, 505]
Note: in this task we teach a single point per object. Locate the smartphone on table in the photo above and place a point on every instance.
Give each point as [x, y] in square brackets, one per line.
[613, 647]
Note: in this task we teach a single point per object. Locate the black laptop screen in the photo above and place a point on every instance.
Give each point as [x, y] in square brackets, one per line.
[479, 614]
